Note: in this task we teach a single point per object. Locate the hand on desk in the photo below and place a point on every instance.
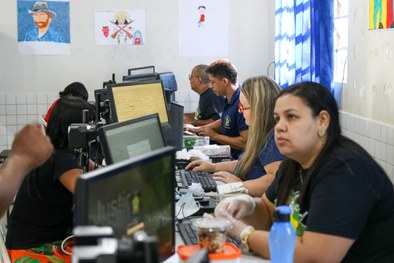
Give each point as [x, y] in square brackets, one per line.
[206, 131]
[201, 166]
[237, 206]
[226, 177]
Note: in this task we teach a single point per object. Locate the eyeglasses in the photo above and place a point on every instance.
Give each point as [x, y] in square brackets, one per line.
[241, 108]
[192, 76]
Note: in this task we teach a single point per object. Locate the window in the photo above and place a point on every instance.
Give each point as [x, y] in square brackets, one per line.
[341, 20]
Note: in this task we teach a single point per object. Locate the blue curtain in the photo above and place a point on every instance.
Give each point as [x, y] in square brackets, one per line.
[304, 41]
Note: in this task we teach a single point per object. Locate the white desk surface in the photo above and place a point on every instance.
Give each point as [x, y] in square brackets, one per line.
[244, 258]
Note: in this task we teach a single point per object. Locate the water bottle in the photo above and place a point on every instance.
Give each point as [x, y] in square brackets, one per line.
[282, 238]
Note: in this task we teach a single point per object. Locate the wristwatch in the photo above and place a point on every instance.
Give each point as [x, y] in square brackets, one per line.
[244, 238]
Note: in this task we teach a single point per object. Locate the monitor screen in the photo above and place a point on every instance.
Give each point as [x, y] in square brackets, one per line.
[136, 194]
[133, 100]
[149, 70]
[123, 140]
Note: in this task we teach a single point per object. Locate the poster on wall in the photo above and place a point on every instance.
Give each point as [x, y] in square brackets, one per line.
[43, 27]
[381, 14]
[203, 27]
[120, 27]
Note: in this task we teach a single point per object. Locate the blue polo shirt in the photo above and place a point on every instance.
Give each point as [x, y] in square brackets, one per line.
[268, 154]
[233, 122]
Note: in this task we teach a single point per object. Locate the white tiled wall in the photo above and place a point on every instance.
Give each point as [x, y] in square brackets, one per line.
[16, 110]
[377, 138]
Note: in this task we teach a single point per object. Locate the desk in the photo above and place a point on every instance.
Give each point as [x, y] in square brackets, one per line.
[244, 258]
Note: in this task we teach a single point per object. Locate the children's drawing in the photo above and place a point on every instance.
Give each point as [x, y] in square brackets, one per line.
[381, 14]
[119, 27]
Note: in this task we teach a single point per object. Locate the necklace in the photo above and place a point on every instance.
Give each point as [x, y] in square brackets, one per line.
[300, 172]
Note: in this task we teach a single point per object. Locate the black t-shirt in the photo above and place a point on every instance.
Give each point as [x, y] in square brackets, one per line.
[42, 210]
[351, 197]
[206, 107]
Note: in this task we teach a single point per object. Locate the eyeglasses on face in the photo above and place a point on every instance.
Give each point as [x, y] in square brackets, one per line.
[241, 108]
[192, 76]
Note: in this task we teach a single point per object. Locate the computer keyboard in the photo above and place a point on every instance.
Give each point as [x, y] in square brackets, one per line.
[187, 177]
[188, 233]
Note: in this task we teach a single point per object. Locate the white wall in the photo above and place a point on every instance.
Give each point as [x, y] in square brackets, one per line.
[251, 46]
[29, 84]
[370, 89]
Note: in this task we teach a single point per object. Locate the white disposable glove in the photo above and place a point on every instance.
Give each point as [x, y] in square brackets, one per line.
[237, 206]
[236, 225]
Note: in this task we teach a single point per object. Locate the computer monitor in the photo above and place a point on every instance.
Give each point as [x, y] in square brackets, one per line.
[127, 139]
[136, 194]
[148, 70]
[133, 100]
[173, 134]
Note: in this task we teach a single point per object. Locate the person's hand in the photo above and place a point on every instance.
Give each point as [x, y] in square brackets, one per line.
[201, 166]
[31, 146]
[226, 177]
[191, 128]
[236, 225]
[237, 206]
[188, 120]
[206, 131]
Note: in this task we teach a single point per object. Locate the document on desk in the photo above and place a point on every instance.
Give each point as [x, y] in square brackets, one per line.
[232, 188]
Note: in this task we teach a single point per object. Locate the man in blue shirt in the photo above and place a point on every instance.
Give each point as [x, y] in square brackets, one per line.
[231, 129]
[42, 17]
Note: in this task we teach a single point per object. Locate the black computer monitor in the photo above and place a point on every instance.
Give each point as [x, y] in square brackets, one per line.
[173, 134]
[136, 194]
[148, 70]
[127, 139]
[133, 100]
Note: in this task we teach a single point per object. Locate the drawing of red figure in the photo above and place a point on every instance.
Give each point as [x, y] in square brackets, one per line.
[137, 38]
[122, 27]
[105, 31]
[201, 9]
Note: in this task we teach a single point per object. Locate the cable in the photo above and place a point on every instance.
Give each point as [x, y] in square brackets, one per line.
[343, 73]
[64, 242]
[268, 68]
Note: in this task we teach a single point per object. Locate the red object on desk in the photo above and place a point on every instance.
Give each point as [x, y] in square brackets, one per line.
[230, 252]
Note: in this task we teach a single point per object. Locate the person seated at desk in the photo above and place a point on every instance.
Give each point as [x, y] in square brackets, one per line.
[231, 128]
[42, 214]
[206, 112]
[74, 89]
[257, 166]
[342, 201]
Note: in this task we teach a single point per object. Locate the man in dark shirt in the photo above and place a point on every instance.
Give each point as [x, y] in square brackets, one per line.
[231, 128]
[206, 112]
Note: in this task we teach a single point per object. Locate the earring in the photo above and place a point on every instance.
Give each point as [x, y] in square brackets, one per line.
[321, 132]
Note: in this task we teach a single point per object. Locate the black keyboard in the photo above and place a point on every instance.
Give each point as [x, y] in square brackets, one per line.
[188, 233]
[205, 179]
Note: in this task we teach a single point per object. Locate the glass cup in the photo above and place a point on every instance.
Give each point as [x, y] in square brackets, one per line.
[212, 233]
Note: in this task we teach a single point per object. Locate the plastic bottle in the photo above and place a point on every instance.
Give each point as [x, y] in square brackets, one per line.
[282, 238]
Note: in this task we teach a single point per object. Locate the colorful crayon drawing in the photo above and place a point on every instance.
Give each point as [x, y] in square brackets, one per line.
[119, 27]
[381, 14]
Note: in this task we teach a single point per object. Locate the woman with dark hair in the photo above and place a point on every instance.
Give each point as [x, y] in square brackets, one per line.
[76, 89]
[42, 214]
[256, 167]
[342, 201]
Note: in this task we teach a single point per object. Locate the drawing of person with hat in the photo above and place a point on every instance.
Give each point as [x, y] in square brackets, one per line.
[42, 17]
